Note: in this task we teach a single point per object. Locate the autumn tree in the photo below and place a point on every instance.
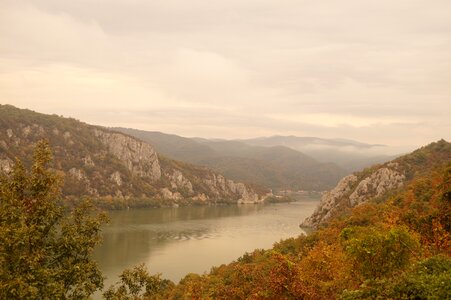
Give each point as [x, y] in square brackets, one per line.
[45, 249]
[377, 252]
[138, 283]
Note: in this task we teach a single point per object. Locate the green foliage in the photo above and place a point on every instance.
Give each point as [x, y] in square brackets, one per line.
[426, 158]
[428, 279]
[137, 283]
[45, 252]
[377, 252]
[296, 246]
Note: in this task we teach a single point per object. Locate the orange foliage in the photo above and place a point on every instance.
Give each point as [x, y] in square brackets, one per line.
[323, 272]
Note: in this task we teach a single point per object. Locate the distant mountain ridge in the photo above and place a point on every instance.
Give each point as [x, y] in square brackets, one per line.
[278, 167]
[348, 154]
[296, 141]
[106, 164]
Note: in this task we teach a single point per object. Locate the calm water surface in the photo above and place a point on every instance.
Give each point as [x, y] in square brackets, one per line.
[177, 241]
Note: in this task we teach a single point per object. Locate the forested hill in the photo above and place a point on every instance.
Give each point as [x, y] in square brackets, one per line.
[116, 169]
[379, 181]
[277, 167]
[393, 245]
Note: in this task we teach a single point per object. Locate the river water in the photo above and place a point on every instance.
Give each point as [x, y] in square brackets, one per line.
[177, 241]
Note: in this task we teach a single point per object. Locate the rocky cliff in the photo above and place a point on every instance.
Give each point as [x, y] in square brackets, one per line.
[101, 163]
[377, 182]
[140, 158]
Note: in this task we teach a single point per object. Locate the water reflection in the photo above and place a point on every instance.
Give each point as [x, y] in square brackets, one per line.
[176, 241]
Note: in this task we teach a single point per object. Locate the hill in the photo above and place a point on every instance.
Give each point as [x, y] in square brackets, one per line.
[394, 244]
[349, 155]
[109, 165]
[378, 181]
[276, 167]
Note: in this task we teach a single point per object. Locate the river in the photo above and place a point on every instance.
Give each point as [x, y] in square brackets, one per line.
[177, 241]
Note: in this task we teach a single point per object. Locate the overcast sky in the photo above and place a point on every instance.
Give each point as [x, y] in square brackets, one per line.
[374, 71]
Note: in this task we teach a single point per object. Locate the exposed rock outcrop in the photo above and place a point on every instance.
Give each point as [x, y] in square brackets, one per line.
[116, 178]
[77, 174]
[167, 194]
[223, 187]
[350, 192]
[6, 165]
[178, 181]
[378, 183]
[216, 186]
[329, 202]
[9, 132]
[139, 157]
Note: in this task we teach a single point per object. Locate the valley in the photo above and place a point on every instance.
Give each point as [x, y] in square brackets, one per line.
[273, 230]
[225, 150]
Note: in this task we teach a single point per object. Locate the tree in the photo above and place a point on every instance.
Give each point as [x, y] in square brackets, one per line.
[45, 249]
[377, 252]
[427, 279]
[137, 283]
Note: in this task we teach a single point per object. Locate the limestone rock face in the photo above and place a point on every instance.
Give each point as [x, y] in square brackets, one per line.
[202, 197]
[116, 178]
[178, 181]
[78, 174]
[6, 165]
[139, 157]
[375, 185]
[350, 193]
[167, 194]
[329, 202]
[223, 187]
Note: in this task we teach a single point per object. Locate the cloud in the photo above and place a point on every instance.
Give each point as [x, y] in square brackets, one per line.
[368, 70]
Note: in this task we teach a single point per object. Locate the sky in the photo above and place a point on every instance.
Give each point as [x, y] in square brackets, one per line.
[373, 71]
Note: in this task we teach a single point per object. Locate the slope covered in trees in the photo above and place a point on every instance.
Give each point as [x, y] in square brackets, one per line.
[395, 246]
[115, 169]
[378, 181]
[277, 167]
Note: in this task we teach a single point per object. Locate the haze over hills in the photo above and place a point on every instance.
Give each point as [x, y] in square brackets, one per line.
[348, 154]
[280, 162]
[105, 164]
[278, 167]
